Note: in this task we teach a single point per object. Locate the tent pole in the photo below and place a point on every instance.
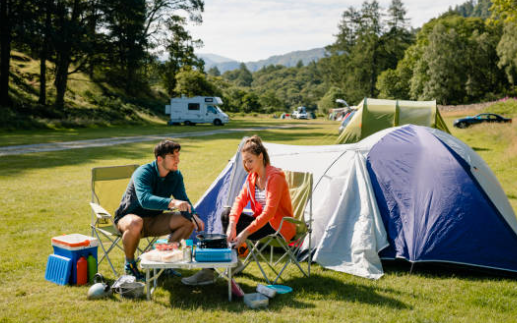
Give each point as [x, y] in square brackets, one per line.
[411, 269]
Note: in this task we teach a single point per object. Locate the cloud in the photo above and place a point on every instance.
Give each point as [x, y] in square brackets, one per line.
[249, 30]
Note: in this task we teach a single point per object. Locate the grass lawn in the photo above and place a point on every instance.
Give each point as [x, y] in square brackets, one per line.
[47, 194]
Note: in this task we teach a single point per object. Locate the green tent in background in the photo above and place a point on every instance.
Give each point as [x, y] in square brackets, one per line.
[373, 115]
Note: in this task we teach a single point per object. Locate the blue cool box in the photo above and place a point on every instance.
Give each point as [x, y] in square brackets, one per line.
[213, 255]
[73, 247]
[58, 269]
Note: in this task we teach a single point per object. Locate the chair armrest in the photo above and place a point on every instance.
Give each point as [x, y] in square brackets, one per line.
[99, 211]
[287, 219]
[292, 220]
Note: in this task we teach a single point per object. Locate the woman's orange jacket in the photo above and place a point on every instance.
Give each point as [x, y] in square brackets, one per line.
[278, 203]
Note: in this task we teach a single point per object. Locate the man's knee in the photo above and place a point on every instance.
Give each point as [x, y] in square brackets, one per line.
[190, 226]
[135, 225]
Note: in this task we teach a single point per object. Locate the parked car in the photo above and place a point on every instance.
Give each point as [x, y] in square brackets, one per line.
[480, 118]
[346, 120]
[300, 113]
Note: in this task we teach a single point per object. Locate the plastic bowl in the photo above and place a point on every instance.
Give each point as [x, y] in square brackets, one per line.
[256, 300]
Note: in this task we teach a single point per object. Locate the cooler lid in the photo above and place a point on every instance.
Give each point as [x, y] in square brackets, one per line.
[74, 240]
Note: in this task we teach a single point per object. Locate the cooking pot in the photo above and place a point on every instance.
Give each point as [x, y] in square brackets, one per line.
[212, 240]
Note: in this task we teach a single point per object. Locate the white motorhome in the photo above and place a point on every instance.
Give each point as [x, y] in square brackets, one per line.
[199, 109]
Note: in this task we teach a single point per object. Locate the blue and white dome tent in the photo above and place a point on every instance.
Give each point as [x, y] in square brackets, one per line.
[408, 192]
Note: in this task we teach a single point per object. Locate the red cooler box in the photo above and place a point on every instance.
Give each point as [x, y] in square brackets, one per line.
[75, 246]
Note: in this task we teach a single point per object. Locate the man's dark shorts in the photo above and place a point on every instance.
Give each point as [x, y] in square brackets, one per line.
[155, 226]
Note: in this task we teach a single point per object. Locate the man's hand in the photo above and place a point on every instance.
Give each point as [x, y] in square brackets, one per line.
[180, 205]
[200, 225]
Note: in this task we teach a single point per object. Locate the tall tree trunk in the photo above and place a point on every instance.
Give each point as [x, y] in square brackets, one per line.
[44, 55]
[91, 27]
[62, 65]
[5, 55]
[64, 52]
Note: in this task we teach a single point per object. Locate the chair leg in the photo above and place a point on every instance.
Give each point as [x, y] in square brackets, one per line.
[257, 251]
[291, 258]
[252, 252]
[107, 251]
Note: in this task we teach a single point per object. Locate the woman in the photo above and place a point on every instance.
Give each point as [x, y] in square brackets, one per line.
[268, 194]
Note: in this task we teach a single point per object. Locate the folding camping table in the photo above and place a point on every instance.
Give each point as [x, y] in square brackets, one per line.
[158, 268]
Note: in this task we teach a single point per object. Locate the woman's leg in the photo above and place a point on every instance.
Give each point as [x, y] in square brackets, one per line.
[244, 221]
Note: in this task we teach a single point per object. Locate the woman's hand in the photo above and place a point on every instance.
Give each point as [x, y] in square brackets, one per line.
[241, 238]
[231, 232]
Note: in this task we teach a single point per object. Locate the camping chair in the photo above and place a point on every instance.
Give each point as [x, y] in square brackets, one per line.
[300, 190]
[108, 186]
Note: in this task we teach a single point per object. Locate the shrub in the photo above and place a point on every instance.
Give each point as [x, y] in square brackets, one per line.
[506, 107]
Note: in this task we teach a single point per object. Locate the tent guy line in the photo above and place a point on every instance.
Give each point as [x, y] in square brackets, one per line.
[104, 142]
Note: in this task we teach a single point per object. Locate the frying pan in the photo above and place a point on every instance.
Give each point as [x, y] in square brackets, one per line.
[212, 240]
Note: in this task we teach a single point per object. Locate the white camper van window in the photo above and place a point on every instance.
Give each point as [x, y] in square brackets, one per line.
[193, 106]
[211, 109]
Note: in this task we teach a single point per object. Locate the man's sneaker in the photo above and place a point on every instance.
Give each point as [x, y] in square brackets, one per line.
[131, 269]
[237, 269]
[202, 277]
[240, 267]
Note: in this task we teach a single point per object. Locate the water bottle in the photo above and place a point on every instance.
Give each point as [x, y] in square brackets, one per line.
[92, 267]
[82, 271]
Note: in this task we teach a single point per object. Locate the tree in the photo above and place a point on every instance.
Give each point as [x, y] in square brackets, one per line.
[137, 26]
[250, 103]
[47, 9]
[68, 39]
[446, 69]
[191, 83]
[484, 77]
[180, 47]
[126, 23]
[505, 10]
[327, 102]
[241, 76]
[365, 46]
[507, 52]
[10, 12]
[214, 71]
[270, 102]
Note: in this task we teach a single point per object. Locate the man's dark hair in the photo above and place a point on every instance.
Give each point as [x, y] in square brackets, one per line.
[166, 147]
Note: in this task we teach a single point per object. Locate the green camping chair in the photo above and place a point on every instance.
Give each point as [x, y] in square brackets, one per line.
[108, 186]
[300, 189]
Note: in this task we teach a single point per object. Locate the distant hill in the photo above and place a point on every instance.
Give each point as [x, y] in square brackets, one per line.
[213, 59]
[290, 59]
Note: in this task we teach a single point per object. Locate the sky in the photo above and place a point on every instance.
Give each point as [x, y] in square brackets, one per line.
[251, 30]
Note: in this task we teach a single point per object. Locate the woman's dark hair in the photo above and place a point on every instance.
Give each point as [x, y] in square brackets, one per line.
[254, 146]
[166, 147]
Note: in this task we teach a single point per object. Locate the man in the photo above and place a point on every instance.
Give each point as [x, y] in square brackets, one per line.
[144, 209]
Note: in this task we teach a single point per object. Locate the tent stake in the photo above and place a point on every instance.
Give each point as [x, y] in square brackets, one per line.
[411, 269]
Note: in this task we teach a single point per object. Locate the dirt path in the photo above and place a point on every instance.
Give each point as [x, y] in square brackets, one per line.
[103, 142]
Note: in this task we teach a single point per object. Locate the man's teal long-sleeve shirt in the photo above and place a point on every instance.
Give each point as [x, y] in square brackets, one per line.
[148, 194]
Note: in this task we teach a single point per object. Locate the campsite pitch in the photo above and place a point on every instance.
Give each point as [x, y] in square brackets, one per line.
[47, 194]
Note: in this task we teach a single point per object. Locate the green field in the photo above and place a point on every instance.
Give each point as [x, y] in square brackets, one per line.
[47, 194]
